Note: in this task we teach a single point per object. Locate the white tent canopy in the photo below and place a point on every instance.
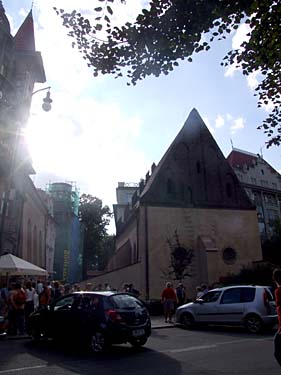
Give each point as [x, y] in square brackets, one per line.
[12, 265]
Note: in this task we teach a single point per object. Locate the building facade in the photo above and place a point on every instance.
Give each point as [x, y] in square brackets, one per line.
[190, 220]
[262, 183]
[22, 224]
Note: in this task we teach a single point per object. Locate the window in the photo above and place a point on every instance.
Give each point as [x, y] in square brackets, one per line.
[231, 296]
[198, 167]
[264, 183]
[123, 301]
[228, 190]
[211, 296]
[262, 171]
[29, 242]
[229, 255]
[64, 303]
[35, 249]
[253, 180]
[274, 185]
[170, 186]
[248, 294]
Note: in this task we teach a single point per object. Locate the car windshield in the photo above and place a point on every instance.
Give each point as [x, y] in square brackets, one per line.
[124, 301]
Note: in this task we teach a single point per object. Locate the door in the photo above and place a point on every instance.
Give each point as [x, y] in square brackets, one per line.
[231, 306]
[205, 309]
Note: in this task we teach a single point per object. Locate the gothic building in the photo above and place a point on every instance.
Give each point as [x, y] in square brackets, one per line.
[23, 212]
[189, 220]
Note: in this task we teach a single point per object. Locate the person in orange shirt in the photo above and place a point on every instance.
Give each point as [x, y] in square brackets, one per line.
[45, 296]
[277, 338]
[169, 298]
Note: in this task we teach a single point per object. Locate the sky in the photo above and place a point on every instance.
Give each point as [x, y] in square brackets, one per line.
[101, 131]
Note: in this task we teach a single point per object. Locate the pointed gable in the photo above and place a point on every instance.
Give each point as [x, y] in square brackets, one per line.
[4, 22]
[24, 38]
[194, 173]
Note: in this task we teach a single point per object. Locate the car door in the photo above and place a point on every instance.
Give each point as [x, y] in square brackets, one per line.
[231, 306]
[205, 309]
[64, 316]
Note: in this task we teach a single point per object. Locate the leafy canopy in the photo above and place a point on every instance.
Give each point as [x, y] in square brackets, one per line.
[172, 30]
[94, 218]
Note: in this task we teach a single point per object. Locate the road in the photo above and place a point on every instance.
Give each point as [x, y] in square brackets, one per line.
[174, 351]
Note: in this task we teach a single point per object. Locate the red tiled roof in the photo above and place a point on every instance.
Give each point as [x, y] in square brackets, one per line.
[237, 159]
[24, 38]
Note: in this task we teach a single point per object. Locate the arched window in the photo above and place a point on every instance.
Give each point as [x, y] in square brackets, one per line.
[35, 249]
[229, 190]
[170, 186]
[29, 241]
[41, 251]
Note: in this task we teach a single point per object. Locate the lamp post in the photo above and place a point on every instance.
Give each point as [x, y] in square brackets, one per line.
[46, 106]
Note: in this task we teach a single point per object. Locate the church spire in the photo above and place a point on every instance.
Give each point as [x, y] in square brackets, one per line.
[24, 38]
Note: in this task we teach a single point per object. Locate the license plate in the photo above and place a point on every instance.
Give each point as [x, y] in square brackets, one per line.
[138, 332]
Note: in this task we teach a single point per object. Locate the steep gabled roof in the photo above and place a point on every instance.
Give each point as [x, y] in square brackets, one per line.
[24, 38]
[194, 173]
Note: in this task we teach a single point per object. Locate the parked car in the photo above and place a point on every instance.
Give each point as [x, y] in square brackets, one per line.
[248, 305]
[93, 319]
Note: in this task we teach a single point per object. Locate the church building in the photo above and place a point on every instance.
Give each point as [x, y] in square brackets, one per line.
[189, 221]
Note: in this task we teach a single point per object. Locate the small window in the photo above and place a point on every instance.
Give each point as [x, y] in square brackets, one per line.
[253, 181]
[198, 167]
[231, 296]
[248, 294]
[262, 171]
[228, 190]
[123, 301]
[170, 186]
[229, 255]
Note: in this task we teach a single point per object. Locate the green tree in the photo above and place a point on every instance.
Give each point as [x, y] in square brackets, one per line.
[94, 218]
[173, 30]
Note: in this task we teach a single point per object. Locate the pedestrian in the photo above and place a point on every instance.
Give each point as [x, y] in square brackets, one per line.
[29, 305]
[199, 292]
[132, 290]
[277, 338]
[57, 291]
[45, 296]
[168, 298]
[107, 287]
[204, 289]
[18, 299]
[181, 296]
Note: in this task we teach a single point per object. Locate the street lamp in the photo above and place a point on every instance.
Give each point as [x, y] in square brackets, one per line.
[47, 101]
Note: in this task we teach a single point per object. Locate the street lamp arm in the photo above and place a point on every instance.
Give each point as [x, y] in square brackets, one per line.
[45, 88]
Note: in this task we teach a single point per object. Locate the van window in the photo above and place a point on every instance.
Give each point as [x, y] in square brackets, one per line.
[248, 294]
[232, 295]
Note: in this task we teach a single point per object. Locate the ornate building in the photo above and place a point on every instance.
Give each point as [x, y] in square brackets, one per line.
[23, 213]
[189, 220]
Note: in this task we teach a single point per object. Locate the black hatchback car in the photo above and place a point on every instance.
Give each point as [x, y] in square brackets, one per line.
[94, 319]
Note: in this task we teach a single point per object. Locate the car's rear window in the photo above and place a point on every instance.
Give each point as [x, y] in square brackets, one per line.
[124, 301]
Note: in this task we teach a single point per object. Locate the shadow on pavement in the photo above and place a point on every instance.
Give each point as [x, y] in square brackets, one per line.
[120, 359]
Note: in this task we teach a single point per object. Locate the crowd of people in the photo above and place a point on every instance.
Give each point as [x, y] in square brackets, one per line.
[172, 298]
[20, 299]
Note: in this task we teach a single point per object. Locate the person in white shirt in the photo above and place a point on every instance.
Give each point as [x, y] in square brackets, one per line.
[29, 303]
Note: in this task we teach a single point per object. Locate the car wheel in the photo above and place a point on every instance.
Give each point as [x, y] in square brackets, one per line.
[253, 323]
[97, 342]
[137, 343]
[187, 320]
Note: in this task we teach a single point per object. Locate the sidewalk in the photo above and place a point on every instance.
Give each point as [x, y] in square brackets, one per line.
[159, 322]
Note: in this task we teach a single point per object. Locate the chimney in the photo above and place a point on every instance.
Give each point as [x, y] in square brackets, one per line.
[153, 167]
[141, 185]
